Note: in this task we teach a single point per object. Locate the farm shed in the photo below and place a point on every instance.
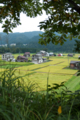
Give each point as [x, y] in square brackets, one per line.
[70, 55]
[37, 58]
[8, 57]
[21, 59]
[27, 54]
[75, 64]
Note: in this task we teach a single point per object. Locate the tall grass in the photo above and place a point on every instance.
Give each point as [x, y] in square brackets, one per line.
[20, 102]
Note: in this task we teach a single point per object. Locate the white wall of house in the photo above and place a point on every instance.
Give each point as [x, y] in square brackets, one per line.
[13, 44]
[3, 45]
[8, 57]
[37, 59]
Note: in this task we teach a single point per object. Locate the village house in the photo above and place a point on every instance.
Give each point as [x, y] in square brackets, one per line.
[3, 45]
[47, 54]
[37, 58]
[13, 44]
[21, 59]
[70, 55]
[27, 54]
[43, 53]
[8, 57]
[75, 64]
[24, 44]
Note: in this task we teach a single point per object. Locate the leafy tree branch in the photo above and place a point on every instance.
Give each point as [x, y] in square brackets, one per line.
[63, 17]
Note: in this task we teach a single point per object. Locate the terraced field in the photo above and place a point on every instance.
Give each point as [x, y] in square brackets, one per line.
[55, 71]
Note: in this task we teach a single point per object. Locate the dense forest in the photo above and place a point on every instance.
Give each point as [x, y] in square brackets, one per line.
[31, 40]
[18, 50]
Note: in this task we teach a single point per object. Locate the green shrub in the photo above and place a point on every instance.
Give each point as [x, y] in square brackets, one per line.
[20, 102]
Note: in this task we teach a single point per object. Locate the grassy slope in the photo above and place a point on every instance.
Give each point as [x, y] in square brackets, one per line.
[73, 83]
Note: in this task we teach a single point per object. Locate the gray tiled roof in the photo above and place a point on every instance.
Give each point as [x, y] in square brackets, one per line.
[74, 61]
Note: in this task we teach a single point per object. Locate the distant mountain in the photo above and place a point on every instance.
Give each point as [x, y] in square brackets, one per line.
[18, 37]
[32, 34]
[2, 34]
[13, 38]
[32, 39]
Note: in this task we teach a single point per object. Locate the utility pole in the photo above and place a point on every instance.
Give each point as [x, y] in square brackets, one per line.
[68, 61]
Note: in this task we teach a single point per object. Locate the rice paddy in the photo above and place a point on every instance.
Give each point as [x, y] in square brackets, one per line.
[55, 71]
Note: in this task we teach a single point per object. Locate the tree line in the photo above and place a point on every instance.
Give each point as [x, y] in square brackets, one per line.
[17, 50]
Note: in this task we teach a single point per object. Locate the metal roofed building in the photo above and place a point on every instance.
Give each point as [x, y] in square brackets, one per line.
[75, 64]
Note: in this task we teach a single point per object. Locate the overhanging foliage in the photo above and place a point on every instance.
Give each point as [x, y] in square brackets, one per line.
[63, 17]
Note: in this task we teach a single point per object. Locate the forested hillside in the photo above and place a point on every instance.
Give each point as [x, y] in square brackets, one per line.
[68, 46]
[18, 37]
[32, 39]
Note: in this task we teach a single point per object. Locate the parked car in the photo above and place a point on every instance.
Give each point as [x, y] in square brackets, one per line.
[21, 59]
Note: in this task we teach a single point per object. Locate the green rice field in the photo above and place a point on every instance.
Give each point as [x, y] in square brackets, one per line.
[56, 70]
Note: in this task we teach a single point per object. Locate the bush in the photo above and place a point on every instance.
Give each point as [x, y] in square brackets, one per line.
[21, 102]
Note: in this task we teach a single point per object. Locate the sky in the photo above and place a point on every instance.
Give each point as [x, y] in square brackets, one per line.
[28, 24]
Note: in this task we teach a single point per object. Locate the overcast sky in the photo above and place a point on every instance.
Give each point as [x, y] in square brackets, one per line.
[28, 24]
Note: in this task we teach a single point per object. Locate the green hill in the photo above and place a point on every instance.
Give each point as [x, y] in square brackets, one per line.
[32, 39]
[18, 37]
